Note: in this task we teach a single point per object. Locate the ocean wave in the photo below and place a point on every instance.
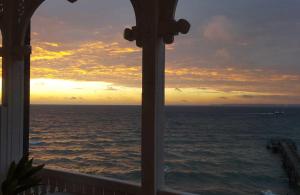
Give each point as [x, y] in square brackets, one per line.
[208, 150]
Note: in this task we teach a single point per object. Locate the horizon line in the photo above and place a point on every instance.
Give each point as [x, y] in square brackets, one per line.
[249, 105]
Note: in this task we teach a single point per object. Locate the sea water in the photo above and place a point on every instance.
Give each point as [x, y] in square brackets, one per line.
[209, 150]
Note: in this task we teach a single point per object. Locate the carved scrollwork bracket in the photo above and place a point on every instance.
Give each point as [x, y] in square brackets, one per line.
[168, 27]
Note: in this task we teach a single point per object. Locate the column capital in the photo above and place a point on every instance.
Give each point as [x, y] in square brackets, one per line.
[168, 27]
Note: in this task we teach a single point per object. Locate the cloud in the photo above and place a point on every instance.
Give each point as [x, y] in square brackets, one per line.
[111, 88]
[98, 61]
[54, 51]
[52, 44]
[219, 28]
[113, 48]
[247, 96]
[87, 61]
[223, 53]
[40, 53]
[73, 98]
[178, 89]
[228, 80]
[272, 97]
[224, 98]
[76, 47]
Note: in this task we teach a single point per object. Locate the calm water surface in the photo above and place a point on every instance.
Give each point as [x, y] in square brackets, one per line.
[209, 150]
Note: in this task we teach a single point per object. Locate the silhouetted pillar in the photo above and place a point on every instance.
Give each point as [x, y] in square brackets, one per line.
[12, 115]
[15, 18]
[155, 27]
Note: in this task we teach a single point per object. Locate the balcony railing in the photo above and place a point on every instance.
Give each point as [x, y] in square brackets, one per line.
[83, 184]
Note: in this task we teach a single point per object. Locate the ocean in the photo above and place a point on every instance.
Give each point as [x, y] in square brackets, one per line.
[209, 150]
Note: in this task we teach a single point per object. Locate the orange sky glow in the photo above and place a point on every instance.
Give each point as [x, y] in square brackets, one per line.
[231, 56]
[121, 84]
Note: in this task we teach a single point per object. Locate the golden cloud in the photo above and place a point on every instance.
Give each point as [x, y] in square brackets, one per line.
[120, 65]
[43, 54]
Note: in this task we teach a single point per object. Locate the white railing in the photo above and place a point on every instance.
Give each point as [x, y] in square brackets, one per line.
[83, 184]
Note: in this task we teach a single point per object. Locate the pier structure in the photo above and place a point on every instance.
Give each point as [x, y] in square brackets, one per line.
[290, 158]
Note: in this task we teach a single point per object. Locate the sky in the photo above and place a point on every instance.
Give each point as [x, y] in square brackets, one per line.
[237, 52]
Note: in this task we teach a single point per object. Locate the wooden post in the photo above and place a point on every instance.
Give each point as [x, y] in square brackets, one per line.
[12, 109]
[155, 27]
[152, 102]
[11, 134]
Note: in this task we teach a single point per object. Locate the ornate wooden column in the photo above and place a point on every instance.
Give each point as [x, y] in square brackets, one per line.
[155, 27]
[15, 18]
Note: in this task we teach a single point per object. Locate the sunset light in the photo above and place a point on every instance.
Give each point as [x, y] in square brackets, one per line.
[216, 64]
[150, 97]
